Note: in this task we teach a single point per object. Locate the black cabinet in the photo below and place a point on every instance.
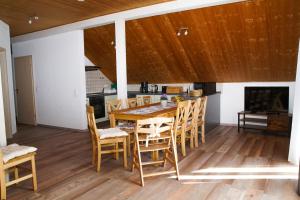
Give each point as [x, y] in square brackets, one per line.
[97, 101]
[208, 88]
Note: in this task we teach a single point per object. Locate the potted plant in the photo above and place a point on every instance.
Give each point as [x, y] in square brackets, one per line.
[164, 100]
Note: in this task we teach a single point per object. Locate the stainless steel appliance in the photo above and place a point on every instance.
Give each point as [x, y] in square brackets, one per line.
[144, 87]
[154, 88]
[164, 89]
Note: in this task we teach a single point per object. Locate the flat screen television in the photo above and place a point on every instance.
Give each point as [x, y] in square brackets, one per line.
[266, 99]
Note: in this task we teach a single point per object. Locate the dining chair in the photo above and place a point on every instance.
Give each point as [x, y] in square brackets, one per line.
[180, 123]
[110, 137]
[116, 104]
[112, 105]
[154, 135]
[139, 100]
[191, 129]
[11, 157]
[147, 100]
[201, 120]
[131, 102]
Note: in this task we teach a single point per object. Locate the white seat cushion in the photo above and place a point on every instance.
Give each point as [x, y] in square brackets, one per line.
[14, 150]
[111, 132]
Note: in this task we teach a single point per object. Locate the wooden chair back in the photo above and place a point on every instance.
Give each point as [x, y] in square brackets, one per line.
[139, 100]
[202, 109]
[153, 127]
[92, 124]
[191, 111]
[113, 105]
[132, 102]
[147, 100]
[182, 114]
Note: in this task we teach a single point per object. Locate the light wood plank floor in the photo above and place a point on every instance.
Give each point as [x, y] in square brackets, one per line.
[230, 165]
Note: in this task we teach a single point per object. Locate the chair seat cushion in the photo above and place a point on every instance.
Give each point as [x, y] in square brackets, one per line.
[111, 132]
[14, 150]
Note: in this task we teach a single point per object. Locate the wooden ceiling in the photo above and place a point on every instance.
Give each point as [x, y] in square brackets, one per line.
[53, 13]
[250, 41]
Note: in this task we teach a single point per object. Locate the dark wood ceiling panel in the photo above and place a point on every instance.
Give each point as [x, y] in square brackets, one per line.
[249, 41]
[53, 13]
[99, 48]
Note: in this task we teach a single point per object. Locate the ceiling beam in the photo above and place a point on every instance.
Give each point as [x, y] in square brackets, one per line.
[153, 10]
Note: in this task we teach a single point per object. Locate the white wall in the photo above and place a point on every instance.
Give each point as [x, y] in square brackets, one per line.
[232, 98]
[59, 73]
[5, 43]
[294, 152]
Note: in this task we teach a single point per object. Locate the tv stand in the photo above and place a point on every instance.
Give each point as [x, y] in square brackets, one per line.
[275, 122]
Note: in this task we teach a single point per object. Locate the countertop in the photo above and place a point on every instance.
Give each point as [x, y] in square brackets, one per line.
[138, 93]
[160, 93]
[100, 94]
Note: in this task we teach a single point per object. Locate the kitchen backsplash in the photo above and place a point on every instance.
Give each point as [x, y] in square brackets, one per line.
[136, 87]
[95, 81]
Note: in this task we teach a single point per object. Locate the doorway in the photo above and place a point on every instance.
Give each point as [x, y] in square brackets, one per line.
[5, 92]
[25, 92]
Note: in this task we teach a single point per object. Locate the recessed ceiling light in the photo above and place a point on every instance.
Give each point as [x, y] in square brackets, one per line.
[32, 19]
[81, 0]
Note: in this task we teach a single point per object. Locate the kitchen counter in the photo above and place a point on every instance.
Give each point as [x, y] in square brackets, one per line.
[150, 93]
[160, 93]
[132, 93]
[100, 94]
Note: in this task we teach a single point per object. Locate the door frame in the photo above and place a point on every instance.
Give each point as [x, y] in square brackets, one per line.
[33, 88]
[5, 91]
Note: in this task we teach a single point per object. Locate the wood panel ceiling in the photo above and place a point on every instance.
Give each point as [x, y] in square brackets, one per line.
[53, 13]
[250, 41]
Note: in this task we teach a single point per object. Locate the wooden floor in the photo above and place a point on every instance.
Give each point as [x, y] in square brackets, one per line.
[229, 166]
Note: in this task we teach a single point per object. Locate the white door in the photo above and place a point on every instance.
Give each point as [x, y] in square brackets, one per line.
[25, 90]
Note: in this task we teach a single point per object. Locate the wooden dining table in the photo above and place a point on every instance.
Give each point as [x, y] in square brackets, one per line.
[143, 112]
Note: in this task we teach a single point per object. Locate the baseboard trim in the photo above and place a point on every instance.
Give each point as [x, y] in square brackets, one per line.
[228, 124]
[63, 128]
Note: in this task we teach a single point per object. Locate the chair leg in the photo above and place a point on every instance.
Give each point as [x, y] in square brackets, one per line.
[16, 172]
[183, 143]
[196, 135]
[94, 155]
[192, 139]
[174, 151]
[34, 178]
[165, 158]
[128, 145]
[134, 156]
[3, 184]
[99, 158]
[125, 152]
[203, 133]
[141, 168]
[117, 150]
